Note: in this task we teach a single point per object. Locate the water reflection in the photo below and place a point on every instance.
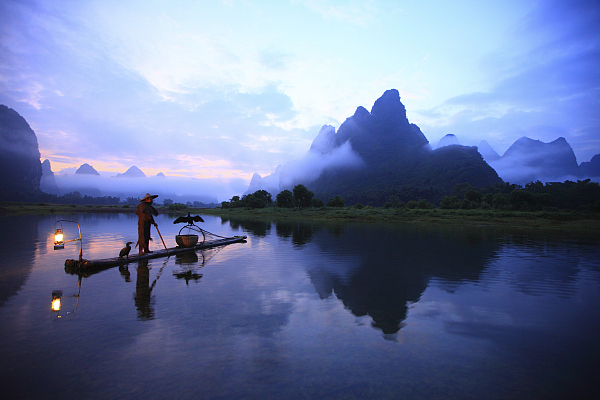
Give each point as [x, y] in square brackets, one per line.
[475, 313]
[17, 253]
[301, 233]
[380, 270]
[257, 228]
[143, 292]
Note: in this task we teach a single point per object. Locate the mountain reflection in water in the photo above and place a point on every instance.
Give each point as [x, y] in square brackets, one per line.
[300, 310]
[392, 266]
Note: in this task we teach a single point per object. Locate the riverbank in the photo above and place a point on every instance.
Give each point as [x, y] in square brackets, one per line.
[540, 219]
[568, 220]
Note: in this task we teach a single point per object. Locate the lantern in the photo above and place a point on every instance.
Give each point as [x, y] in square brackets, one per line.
[59, 239]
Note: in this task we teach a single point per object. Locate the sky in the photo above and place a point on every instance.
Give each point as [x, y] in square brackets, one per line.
[220, 90]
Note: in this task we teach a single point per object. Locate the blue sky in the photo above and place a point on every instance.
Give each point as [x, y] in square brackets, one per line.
[219, 90]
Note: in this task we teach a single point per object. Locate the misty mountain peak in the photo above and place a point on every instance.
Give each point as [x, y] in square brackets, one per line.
[383, 132]
[48, 181]
[592, 167]
[132, 172]
[528, 159]
[524, 146]
[325, 141]
[20, 166]
[389, 107]
[86, 169]
[448, 140]
[361, 115]
[47, 168]
[487, 151]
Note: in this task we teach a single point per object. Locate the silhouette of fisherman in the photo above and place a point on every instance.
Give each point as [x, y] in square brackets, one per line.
[145, 213]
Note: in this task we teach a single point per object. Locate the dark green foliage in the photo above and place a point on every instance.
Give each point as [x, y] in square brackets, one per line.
[177, 206]
[317, 203]
[535, 196]
[473, 195]
[424, 205]
[460, 189]
[468, 205]
[395, 195]
[252, 201]
[285, 199]
[337, 201]
[450, 203]
[500, 201]
[258, 199]
[488, 198]
[302, 196]
[411, 204]
[264, 196]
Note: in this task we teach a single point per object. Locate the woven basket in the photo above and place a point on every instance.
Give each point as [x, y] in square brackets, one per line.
[186, 240]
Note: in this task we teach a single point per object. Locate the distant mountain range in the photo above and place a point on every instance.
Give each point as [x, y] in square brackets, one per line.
[377, 156]
[372, 158]
[528, 160]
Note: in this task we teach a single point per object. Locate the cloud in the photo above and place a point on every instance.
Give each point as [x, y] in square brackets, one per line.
[177, 188]
[322, 156]
[360, 13]
[547, 87]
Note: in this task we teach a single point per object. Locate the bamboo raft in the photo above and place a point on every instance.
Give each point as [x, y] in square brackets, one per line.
[84, 265]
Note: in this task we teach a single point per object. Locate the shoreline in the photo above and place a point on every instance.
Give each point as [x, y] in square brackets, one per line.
[567, 220]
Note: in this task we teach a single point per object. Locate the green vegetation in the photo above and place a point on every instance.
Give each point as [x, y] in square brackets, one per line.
[568, 220]
[568, 205]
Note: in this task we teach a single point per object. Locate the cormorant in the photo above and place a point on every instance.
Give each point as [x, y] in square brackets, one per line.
[189, 219]
[125, 250]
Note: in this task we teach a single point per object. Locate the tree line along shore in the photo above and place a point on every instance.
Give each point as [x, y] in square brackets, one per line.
[556, 219]
[574, 205]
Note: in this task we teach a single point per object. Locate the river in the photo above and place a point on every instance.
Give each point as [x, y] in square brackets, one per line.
[302, 310]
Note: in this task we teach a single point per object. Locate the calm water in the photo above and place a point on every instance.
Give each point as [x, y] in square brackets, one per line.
[301, 311]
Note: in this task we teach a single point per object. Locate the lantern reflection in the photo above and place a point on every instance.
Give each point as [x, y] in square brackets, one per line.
[56, 299]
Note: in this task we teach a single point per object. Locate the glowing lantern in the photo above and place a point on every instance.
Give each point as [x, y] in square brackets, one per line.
[59, 239]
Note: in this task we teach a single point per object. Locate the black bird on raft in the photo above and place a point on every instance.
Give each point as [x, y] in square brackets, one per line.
[125, 250]
[189, 219]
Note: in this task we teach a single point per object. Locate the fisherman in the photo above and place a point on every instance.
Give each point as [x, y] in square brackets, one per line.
[145, 213]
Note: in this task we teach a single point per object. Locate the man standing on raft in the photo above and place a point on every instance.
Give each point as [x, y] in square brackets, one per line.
[145, 213]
